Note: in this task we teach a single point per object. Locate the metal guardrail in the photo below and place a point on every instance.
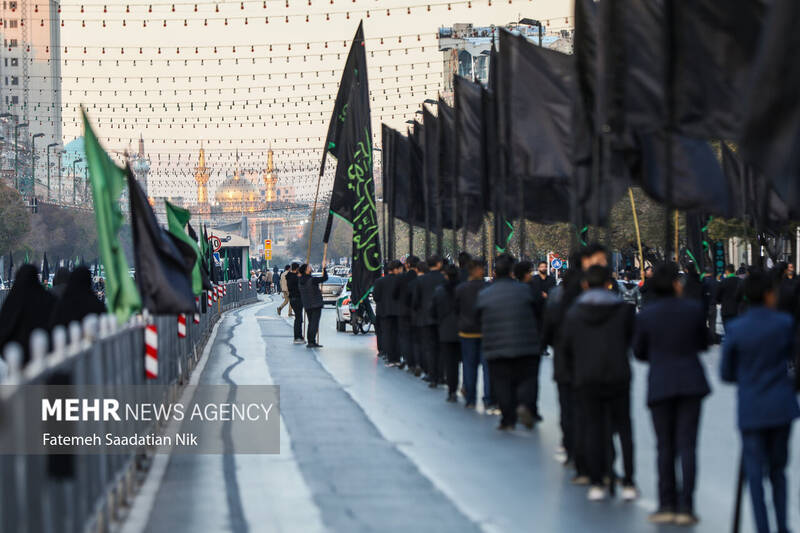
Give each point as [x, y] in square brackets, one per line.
[34, 497]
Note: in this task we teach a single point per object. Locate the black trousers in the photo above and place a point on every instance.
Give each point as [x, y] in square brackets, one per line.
[379, 333]
[512, 385]
[404, 335]
[417, 351]
[578, 432]
[432, 357]
[297, 309]
[313, 324]
[565, 404]
[607, 411]
[451, 354]
[535, 384]
[389, 334]
[675, 421]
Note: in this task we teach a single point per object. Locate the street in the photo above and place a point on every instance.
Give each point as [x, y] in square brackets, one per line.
[370, 448]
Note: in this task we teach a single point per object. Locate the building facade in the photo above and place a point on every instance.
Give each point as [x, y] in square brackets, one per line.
[30, 91]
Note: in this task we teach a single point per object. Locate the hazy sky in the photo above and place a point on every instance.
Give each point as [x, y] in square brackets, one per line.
[282, 97]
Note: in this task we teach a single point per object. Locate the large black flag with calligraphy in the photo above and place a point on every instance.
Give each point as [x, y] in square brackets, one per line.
[430, 170]
[356, 59]
[447, 153]
[353, 195]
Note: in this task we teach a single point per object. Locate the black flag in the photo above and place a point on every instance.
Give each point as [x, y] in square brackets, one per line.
[757, 201]
[203, 267]
[45, 269]
[353, 195]
[401, 180]
[356, 60]
[770, 135]
[164, 263]
[447, 153]
[536, 91]
[470, 160]
[416, 138]
[430, 170]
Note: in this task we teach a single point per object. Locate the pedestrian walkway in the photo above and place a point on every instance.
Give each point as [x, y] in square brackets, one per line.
[370, 448]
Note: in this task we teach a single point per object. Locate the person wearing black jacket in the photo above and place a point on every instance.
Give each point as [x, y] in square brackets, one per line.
[390, 305]
[312, 302]
[417, 327]
[710, 302]
[559, 301]
[541, 282]
[510, 343]
[378, 296]
[469, 332]
[402, 308]
[295, 301]
[597, 335]
[729, 295]
[670, 334]
[444, 312]
[424, 289]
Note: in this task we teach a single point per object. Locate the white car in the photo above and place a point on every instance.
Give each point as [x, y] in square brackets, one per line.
[343, 311]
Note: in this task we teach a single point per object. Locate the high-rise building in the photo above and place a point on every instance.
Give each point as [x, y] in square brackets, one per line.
[30, 87]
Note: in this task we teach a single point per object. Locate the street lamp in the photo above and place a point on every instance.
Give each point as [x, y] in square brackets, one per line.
[48, 168]
[60, 154]
[16, 153]
[533, 22]
[75, 178]
[33, 162]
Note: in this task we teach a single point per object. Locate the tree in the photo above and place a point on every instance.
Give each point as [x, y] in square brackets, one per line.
[14, 219]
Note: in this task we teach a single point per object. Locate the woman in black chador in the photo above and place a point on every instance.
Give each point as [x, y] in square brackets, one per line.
[78, 300]
[26, 308]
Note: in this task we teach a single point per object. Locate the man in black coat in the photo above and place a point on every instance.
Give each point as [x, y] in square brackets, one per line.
[510, 343]
[402, 306]
[391, 308]
[424, 289]
[541, 282]
[417, 326]
[444, 312]
[469, 332]
[381, 304]
[295, 301]
[311, 296]
[729, 295]
[598, 330]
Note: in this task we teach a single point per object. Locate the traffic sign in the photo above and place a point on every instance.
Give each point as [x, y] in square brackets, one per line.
[556, 264]
[268, 254]
[215, 242]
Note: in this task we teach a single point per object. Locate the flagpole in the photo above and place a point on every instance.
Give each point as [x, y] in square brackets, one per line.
[314, 209]
[677, 255]
[638, 234]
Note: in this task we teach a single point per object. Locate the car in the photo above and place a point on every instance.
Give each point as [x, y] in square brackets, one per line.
[332, 289]
[343, 310]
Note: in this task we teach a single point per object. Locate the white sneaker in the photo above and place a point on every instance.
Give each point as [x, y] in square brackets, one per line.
[596, 494]
[629, 493]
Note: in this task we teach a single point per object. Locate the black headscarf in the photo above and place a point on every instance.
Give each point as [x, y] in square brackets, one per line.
[78, 300]
[26, 308]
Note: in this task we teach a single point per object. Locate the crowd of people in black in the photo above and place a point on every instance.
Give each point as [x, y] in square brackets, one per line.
[30, 306]
[433, 317]
[301, 290]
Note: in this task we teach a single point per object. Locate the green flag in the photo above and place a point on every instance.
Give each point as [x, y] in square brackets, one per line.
[27, 260]
[177, 218]
[225, 267]
[249, 267]
[107, 181]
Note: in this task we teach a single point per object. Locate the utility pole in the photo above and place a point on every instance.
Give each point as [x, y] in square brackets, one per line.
[16, 153]
[60, 154]
[75, 178]
[48, 168]
[33, 163]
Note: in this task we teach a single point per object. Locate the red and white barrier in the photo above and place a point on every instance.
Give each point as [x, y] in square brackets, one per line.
[151, 351]
[215, 291]
[209, 297]
[250, 284]
[240, 286]
[181, 325]
[196, 318]
[225, 290]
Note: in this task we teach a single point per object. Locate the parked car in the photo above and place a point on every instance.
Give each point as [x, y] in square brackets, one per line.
[332, 289]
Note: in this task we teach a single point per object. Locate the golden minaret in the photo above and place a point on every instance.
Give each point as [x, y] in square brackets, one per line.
[201, 177]
[269, 178]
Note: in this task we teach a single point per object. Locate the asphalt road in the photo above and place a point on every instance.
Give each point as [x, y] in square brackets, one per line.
[370, 448]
